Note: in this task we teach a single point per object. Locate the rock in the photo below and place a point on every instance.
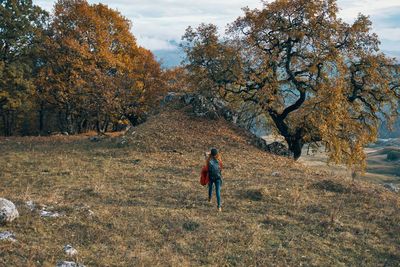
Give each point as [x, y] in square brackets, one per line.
[68, 264]
[123, 141]
[276, 174]
[187, 98]
[136, 161]
[209, 107]
[7, 236]
[203, 107]
[31, 206]
[273, 148]
[70, 251]
[216, 107]
[392, 187]
[260, 143]
[8, 211]
[279, 149]
[49, 214]
[94, 139]
[171, 96]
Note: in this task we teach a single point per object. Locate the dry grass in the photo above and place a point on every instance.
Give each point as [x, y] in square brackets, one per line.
[379, 169]
[150, 210]
[384, 162]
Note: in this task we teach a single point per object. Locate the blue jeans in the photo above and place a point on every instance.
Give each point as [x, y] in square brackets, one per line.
[217, 190]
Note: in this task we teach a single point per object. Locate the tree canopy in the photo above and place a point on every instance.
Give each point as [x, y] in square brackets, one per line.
[317, 78]
[21, 28]
[89, 72]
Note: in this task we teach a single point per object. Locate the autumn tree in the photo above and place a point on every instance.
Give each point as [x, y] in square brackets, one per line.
[141, 88]
[317, 78]
[177, 80]
[21, 28]
[95, 74]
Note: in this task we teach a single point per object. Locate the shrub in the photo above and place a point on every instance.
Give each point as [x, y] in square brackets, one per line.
[393, 155]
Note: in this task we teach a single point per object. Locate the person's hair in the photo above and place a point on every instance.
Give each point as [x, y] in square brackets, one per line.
[216, 155]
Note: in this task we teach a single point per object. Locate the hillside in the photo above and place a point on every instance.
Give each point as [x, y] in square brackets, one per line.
[141, 203]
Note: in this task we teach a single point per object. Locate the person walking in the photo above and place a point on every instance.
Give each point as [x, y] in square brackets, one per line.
[214, 166]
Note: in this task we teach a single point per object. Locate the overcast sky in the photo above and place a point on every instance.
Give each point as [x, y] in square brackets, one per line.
[158, 22]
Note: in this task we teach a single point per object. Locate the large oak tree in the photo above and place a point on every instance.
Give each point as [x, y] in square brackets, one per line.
[318, 78]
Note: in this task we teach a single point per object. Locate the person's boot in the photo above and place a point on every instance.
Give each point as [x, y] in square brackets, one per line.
[219, 209]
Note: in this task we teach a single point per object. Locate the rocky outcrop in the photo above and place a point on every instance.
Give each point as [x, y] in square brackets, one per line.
[209, 107]
[279, 149]
[392, 187]
[8, 211]
[171, 97]
[215, 107]
[276, 148]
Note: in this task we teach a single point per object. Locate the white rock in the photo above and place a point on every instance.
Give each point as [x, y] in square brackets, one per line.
[70, 251]
[68, 264]
[276, 174]
[49, 214]
[7, 236]
[30, 205]
[8, 211]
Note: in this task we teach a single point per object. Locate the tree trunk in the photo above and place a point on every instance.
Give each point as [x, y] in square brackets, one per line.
[7, 123]
[98, 130]
[295, 146]
[41, 119]
[104, 127]
[60, 121]
[4, 124]
[133, 119]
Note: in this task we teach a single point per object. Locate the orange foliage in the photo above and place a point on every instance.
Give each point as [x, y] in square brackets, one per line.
[318, 78]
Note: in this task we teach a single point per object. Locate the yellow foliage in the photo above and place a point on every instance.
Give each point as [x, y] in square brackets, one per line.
[319, 79]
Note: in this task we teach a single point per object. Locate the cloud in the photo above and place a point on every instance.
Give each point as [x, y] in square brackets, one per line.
[154, 43]
[385, 17]
[158, 22]
[349, 9]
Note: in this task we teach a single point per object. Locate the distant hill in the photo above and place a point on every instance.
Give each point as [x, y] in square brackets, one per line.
[169, 58]
[172, 57]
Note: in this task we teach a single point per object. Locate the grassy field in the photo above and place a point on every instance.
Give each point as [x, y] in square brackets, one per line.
[148, 208]
[382, 169]
[379, 169]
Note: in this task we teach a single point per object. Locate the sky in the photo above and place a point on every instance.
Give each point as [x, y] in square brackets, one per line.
[159, 25]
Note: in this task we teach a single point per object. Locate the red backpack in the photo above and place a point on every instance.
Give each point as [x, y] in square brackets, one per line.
[204, 177]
